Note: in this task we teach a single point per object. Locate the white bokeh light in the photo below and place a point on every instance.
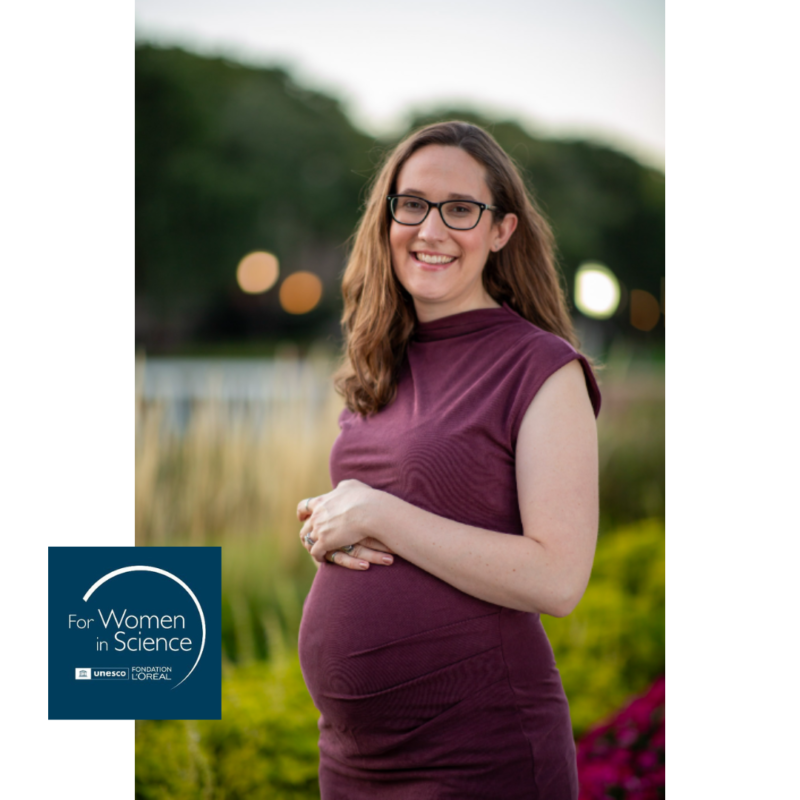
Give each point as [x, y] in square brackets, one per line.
[596, 291]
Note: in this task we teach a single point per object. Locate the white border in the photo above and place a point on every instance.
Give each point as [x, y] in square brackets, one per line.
[67, 323]
[68, 320]
[732, 399]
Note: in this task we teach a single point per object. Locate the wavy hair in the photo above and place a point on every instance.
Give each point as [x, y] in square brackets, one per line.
[379, 316]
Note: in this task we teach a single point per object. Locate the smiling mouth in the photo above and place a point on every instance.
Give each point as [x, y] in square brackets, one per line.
[434, 260]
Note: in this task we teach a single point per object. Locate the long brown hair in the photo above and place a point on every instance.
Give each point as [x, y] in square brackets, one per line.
[379, 316]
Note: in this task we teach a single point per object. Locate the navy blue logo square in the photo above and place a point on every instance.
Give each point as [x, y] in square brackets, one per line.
[134, 633]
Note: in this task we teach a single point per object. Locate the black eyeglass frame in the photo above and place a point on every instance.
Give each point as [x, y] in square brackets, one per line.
[482, 206]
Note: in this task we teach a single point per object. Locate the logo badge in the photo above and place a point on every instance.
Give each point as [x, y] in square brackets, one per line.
[147, 620]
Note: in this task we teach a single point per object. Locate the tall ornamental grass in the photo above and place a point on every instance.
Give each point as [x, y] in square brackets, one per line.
[235, 471]
[233, 477]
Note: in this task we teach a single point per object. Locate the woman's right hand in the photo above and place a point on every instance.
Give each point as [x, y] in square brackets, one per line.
[365, 552]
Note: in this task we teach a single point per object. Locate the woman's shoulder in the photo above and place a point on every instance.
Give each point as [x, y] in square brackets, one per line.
[538, 354]
[531, 340]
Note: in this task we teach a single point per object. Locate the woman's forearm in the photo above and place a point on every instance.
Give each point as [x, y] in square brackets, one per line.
[512, 571]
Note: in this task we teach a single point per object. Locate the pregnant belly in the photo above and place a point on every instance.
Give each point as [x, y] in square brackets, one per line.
[397, 661]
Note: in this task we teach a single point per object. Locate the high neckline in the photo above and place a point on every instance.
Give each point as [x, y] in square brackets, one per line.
[462, 323]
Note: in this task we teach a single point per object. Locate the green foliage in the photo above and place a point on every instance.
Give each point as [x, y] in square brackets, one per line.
[612, 645]
[169, 763]
[262, 600]
[265, 745]
[631, 449]
[231, 159]
[609, 648]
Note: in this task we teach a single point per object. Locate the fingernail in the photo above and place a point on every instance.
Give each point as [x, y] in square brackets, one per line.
[387, 559]
[363, 564]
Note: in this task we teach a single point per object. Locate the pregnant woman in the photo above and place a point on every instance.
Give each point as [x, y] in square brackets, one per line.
[465, 501]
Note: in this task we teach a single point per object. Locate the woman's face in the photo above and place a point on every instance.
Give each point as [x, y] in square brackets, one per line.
[441, 268]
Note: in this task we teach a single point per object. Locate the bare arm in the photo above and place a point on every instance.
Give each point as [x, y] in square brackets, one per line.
[547, 569]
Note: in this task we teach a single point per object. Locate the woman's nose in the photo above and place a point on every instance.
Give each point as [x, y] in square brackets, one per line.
[432, 227]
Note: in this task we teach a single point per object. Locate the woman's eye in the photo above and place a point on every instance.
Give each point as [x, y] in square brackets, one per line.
[412, 205]
[460, 210]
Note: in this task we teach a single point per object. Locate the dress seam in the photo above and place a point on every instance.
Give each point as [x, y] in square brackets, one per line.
[516, 700]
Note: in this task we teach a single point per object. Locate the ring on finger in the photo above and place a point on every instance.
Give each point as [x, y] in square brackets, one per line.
[308, 500]
[349, 549]
[308, 540]
[332, 556]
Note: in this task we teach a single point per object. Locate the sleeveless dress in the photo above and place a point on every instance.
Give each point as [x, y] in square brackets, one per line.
[425, 691]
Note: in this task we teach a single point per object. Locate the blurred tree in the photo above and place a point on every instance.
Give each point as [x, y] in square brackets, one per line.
[231, 159]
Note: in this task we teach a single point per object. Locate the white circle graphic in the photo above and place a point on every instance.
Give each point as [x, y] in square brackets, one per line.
[116, 572]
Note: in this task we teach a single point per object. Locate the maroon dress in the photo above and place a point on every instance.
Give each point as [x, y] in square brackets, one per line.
[425, 691]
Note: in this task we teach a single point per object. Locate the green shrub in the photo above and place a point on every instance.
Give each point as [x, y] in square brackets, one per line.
[612, 645]
[265, 745]
[169, 763]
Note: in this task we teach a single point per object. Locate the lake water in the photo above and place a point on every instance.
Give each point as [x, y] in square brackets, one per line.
[254, 387]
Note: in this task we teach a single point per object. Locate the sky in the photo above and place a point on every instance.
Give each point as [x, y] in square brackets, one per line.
[583, 68]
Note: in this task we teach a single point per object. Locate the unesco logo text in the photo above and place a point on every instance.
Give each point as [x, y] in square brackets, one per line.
[86, 673]
[134, 674]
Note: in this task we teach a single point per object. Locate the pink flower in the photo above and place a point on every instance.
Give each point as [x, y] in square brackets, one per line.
[626, 753]
[627, 736]
[646, 760]
[600, 774]
[657, 740]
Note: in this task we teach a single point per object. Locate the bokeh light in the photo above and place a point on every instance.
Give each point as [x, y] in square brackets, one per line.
[300, 292]
[257, 272]
[596, 290]
[645, 311]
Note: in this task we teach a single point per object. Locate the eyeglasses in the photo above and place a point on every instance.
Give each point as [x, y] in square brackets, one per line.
[460, 215]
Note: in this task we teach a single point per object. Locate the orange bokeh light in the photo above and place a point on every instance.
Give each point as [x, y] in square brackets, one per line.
[300, 292]
[645, 311]
[257, 272]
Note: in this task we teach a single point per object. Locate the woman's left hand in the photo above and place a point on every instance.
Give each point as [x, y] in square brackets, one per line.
[339, 519]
